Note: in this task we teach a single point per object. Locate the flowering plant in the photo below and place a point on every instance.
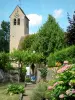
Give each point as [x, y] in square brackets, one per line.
[58, 64]
[64, 86]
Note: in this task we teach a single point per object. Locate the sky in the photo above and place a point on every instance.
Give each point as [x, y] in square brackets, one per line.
[37, 11]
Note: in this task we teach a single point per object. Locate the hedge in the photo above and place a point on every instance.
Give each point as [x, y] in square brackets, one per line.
[59, 56]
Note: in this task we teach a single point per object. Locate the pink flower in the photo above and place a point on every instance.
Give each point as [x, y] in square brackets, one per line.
[73, 91]
[70, 91]
[61, 96]
[55, 84]
[63, 68]
[50, 87]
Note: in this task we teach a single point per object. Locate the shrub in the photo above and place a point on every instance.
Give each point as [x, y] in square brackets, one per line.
[60, 56]
[9, 66]
[4, 59]
[27, 79]
[43, 72]
[64, 86]
[51, 60]
[24, 70]
[15, 89]
[39, 91]
[26, 42]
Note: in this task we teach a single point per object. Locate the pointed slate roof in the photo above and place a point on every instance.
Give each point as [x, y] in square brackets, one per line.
[21, 10]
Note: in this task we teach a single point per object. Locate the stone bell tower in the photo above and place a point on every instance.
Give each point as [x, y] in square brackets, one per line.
[19, 27]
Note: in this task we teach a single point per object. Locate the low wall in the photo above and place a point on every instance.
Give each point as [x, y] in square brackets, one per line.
[11, 76]
[50, 75]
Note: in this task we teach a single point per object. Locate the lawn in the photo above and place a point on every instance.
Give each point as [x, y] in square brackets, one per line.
[4, 95]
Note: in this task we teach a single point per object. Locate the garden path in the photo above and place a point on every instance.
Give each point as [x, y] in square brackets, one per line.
[28, 91]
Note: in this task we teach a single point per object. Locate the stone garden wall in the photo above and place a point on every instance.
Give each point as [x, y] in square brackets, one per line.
[50, 75]
[11, 76]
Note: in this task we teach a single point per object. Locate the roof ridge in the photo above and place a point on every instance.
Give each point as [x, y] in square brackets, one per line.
[21, 10]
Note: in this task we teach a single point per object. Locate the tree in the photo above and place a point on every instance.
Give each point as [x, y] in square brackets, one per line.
[6, 28]
[4, 60]
[17, 57]
[2, 41]
[70, 36]
[4, 36]
[26, 42]
[50, 37]
[23, 58]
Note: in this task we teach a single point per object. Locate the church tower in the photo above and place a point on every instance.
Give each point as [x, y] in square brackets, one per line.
[19, 27]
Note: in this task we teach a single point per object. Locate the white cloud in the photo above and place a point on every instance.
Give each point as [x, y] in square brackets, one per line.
[58, 13]
[35, 19]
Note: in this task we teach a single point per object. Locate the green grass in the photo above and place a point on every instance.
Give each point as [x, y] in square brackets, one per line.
[4, 95]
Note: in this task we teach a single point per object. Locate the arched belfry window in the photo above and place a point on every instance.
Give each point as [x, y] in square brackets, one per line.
[14, 21]
[18, 21]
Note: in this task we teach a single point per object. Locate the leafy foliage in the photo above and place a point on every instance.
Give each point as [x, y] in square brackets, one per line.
[64, 88]
[71, 30]
[39, 91]
[17, 56]
[4, 36]
[51, 60]
[26, 42]
[60, 56]
[49, 37]
[43, 72]
[27, 79]
[23, 73]
[26, 58]
[4, 60]
[9, 66]
[15, 89]
[24, 70]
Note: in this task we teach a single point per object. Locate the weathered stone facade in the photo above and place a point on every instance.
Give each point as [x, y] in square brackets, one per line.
[19, 27]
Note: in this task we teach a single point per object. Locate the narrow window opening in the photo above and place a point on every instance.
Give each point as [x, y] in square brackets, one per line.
[18, 21]
[14, 21]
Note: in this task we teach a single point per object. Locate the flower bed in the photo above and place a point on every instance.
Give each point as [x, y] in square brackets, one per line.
[63, 87]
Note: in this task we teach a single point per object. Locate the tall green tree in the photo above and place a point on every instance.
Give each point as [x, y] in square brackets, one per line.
[6, 28]
[4, 36]
[70, 36]
[2, 40]
[50, 37]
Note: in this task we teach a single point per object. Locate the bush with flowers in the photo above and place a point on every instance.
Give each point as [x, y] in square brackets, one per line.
[63, 88]
[61, 55]
[58, 64]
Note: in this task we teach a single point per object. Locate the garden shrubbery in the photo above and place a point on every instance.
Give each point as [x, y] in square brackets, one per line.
[60, 56]
[39, 91]
[15, 89]
[27, 79]
[43, 72]
[64, 86]
[5, 64]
